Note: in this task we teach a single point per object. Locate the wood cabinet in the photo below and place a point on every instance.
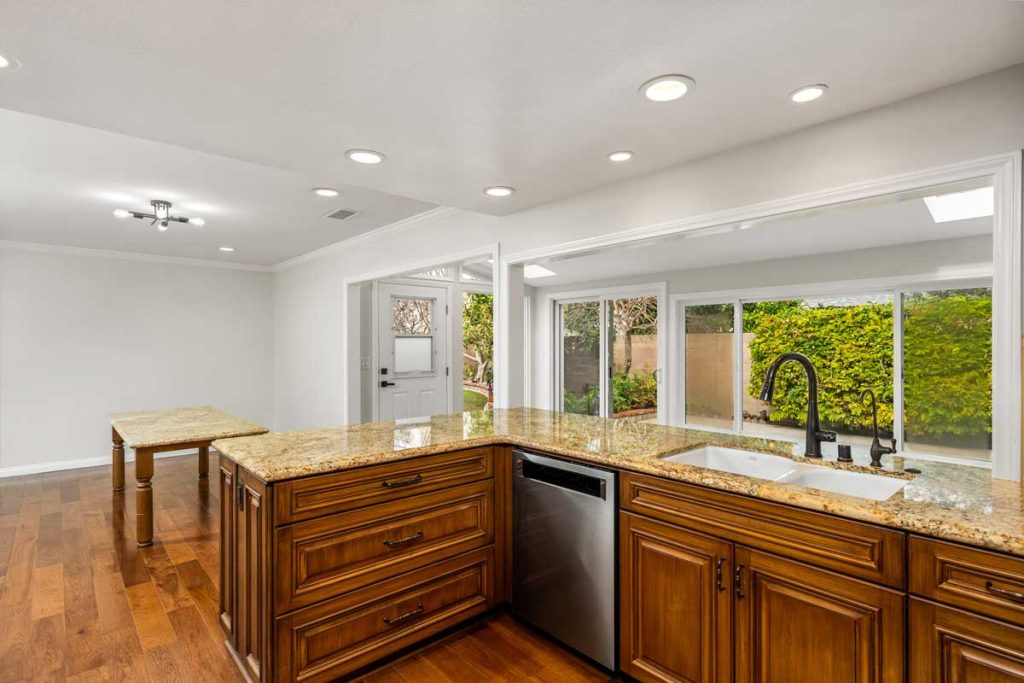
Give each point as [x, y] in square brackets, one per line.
[329, 573]
[949, 645]
[798, 624]
[675, 602]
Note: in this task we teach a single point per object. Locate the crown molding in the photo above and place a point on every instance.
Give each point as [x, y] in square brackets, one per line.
[419, 219]
[129, 256]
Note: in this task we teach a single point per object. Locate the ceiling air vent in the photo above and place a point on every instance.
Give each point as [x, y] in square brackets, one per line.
[341, 214]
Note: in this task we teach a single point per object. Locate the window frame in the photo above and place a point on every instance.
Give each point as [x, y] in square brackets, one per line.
[896, 287]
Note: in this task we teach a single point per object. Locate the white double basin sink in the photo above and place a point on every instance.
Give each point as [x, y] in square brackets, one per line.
[783, 470]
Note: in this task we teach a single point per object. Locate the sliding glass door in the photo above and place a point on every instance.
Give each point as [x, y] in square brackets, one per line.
[609, 357]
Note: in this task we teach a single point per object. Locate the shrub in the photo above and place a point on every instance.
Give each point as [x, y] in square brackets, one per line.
[634, 392]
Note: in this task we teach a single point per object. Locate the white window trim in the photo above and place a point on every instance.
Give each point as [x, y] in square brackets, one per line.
[896, 286]
[552, 303]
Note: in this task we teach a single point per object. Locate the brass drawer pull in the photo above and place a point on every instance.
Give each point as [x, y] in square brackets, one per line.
[399, 483]
[402, 618]
[1003, 593]
[402, 541]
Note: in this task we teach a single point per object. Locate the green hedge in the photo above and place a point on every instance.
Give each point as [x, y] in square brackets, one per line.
[947, 361]
[630, 392]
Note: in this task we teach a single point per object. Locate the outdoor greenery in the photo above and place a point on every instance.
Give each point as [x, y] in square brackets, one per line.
[947, 376]
[473, 400]
[477, 336]
[947, 361]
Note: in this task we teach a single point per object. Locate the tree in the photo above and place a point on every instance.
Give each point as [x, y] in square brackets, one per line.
[633, 316]
[478, 333]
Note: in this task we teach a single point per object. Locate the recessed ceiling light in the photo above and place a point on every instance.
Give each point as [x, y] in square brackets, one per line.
[122, 213]
[227, 248]
[958, 206]
[808, 93]
[667, 88]
[621, 155]
[533, 271]
[8, 63]
[197, 221]
[325, 192]
[364, 156]
[499, 191]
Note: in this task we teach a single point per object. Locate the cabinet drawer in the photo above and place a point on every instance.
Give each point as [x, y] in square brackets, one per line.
[853, 548]
[952, 646]
[328, 640]
[329, 493]
[977, 580]
[326, 557]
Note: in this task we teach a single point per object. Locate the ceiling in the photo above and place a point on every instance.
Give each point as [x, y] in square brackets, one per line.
[843, 228]
[459, 94]
[60, 183]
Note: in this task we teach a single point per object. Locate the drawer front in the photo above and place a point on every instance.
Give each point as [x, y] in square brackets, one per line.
[977, 580]
[333, 638]
[853, 548]
[326, 557]
[330, 493]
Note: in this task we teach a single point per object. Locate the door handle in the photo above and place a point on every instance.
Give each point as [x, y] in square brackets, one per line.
[384, 383]
[718, 574]
[739, 581]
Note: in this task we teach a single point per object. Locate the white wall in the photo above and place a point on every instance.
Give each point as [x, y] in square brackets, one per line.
[82, 336]
[920, 259]
[969, 120]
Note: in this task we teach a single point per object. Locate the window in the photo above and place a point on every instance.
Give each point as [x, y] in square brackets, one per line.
[633, 357]
[581, 357]
[413, 334]
[477, 350]
[926, 354]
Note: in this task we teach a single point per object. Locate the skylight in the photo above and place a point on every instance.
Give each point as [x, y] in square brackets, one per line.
[533, 271]
[958, 206]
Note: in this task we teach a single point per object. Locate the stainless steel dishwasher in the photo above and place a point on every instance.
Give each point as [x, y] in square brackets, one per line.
[563, 555]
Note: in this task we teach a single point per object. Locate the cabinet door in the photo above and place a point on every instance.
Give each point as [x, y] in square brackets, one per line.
[252, 588]
[676, 603]
[226, 491]
[798, 624]
[951, 646]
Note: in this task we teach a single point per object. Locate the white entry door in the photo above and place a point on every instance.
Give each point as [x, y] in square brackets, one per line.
[413, 352]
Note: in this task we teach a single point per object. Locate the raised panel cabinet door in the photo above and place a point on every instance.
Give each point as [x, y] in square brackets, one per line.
[676, 603]
[252, 588]
[799, 624]
[951, 646]
[226, 594]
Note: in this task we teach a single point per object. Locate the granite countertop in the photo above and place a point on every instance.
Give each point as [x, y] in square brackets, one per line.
[954, 502]
[153, 428]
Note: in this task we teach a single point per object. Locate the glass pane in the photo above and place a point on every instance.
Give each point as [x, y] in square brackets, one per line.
[947, 372]
[414, 354]
[411, 316]
[633, 357]
[581, 357]
[477, 351]
[709, 365]
[848, 340]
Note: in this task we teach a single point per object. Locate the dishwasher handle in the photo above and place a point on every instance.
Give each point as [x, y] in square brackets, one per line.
[562, 478]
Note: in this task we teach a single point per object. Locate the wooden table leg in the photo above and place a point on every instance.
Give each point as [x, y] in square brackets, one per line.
[144, 496]
[204, 462]
[118, 474]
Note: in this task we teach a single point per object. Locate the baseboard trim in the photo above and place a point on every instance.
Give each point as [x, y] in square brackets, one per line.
[81, 463]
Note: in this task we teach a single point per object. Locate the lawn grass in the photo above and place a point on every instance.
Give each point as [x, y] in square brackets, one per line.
[472, 400]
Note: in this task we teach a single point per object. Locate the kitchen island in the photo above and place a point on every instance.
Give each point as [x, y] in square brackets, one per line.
[343, 545]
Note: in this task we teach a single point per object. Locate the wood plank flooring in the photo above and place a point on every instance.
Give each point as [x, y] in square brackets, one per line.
[80, 602]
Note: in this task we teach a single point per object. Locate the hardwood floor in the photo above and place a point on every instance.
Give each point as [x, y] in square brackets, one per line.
[80, 602]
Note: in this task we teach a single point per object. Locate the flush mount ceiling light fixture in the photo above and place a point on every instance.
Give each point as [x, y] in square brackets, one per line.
[226, 249]
[8, 63]
[959, 206]
[364, 156]
[667, 88]
[499, 191]
[808, 93]
[161, 216]
[620, 155]
[325, 192]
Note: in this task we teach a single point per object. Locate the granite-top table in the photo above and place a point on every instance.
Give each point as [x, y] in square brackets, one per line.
[172, 429]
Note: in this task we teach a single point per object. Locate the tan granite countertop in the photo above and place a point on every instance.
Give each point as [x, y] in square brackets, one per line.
[954, 502]
[153, 428]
